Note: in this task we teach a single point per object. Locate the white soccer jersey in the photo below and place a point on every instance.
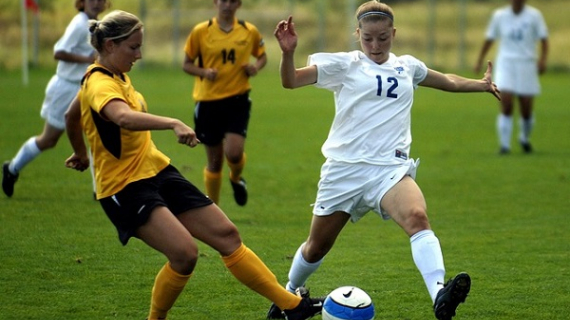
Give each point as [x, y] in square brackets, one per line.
[74, 40]
[518, 32]
[373, 103]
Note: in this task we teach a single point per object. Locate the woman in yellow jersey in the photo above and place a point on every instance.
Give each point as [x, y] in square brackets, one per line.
[140, 191]
[218, 54]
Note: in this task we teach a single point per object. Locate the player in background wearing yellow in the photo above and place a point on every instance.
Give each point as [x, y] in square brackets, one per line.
[218, 53]
[74, 54]
[143, 195]
[517, 67]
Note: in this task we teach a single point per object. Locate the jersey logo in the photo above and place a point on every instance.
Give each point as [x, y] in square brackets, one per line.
[401, 154]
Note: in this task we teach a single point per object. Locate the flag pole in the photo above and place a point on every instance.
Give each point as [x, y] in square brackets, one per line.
[24, 43]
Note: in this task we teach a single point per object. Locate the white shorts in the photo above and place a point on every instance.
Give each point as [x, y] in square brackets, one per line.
[357, 188]
[59, 94]
[517, 76]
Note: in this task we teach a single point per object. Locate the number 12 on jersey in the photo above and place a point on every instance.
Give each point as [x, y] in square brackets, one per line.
[391, 93]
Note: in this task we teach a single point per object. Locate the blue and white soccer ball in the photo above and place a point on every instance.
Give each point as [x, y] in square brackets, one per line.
[348, 303]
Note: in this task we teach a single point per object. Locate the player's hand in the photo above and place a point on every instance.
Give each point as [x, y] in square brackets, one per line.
[76, 162]
[250, 70]
[286, 35]
[210, 74]
[491, 86]
[186, 135]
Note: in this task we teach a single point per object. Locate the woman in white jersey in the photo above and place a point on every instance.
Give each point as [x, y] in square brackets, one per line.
[519, 27]
[367, 166]
[74, 54]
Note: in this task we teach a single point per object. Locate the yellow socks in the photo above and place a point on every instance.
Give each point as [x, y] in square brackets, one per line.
[167, 287]
[246, 266]
[236, 168]
[213, 184]
[243, 263]
[213, 180]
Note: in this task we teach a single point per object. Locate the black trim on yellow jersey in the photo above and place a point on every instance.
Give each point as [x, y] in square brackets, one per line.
[109, 132]
[241, 22]
[102, 70]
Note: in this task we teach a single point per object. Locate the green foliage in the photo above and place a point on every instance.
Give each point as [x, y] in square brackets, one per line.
[447, 34]
[503, 219]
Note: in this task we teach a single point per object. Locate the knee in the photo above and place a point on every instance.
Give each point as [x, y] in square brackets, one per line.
[234, 157]
[314, 252]
[416, 221]
[231, 236]
[184, 259]
[227, 241]
[45, 144]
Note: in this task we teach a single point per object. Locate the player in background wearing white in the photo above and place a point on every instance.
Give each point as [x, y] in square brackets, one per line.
[74, 54]
[368, 165]
[517, 67]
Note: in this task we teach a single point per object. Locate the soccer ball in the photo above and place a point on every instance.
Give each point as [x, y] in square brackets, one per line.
[348, 303]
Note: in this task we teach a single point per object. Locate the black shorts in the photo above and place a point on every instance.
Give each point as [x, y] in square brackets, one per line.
[213, 119]
[130, 208]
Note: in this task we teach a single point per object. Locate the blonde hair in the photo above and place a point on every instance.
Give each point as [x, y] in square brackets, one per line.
[374, 11]
[116, 25]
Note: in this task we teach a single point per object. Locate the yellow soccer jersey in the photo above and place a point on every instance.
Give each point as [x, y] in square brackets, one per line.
[227, 52]
[120, 156]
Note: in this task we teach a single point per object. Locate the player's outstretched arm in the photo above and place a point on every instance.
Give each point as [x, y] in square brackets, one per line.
[287, 38]
[454, 83]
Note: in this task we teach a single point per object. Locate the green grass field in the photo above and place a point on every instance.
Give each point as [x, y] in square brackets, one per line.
[504, 219]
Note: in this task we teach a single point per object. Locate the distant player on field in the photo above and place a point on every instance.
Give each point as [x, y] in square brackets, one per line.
[517, 67]
[74, 54]
[368, 165]
[218, 53]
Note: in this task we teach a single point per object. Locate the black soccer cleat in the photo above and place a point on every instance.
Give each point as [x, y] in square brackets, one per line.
[308, 308]
[451, 295]
[276, 313]
[240, 191]
[526, 146]
[8, 179]
[504, 151]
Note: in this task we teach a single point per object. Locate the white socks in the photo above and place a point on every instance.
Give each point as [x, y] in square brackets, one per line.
[28, 152]
[300, 270]
[526, 126]
[505, 130]
[426, 252]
